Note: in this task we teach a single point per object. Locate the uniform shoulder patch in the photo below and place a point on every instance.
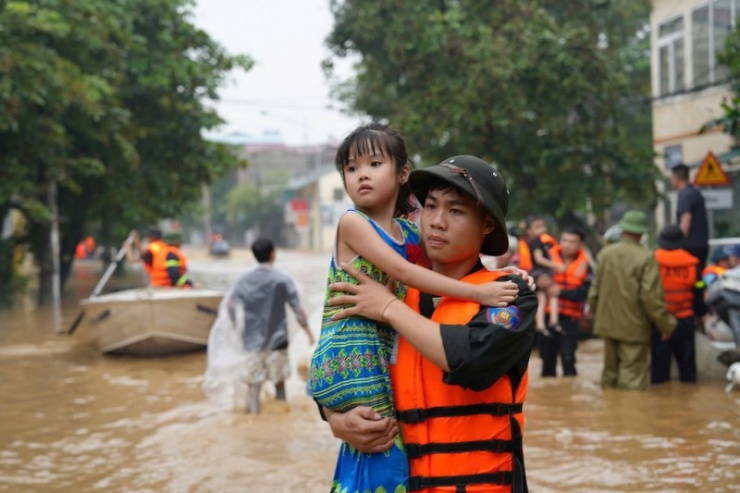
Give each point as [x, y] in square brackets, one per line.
[507, 317]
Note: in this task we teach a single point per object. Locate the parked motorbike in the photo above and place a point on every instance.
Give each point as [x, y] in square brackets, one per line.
[723, 297]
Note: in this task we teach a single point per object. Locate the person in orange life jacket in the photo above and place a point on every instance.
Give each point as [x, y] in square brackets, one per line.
[176, 261]
[571, 288]
[678, 272]
[456, 359]
[720, 263]
[153, 257]
[539, 245]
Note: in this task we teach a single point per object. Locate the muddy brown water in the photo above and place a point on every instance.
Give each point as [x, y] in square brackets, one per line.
[74, 420]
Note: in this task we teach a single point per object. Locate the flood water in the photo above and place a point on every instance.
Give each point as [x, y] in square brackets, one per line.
[73, 420]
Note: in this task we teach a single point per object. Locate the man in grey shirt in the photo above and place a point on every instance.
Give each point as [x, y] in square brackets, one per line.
[262, 294]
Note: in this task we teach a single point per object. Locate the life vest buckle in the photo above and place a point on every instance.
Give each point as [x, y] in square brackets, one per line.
[413, 450]
[412, 416]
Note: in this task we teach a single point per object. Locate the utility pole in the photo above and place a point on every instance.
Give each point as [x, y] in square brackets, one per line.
[56, 289]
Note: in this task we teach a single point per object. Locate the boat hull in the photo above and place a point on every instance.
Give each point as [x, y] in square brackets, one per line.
[152, 322]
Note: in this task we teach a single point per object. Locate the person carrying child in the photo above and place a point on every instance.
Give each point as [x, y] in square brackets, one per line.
[350, 366]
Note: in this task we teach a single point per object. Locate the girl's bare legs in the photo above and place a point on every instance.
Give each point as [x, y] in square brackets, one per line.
[539, 317]
[554, 312]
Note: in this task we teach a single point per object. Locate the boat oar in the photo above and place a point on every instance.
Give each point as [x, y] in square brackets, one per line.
[99, 287]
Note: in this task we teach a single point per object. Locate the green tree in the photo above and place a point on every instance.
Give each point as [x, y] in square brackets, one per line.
[106, 99]
[556, 93]
[247, 207]
[730, 118]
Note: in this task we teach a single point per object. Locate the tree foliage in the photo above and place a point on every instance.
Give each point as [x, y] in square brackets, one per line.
[729, 121]
[247, 207]
[556, 93]
[107, 100]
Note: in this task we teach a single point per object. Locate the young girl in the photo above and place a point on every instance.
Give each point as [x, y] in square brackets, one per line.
[350, 365]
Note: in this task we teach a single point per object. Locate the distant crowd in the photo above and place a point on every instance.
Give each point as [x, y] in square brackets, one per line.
[646, 305]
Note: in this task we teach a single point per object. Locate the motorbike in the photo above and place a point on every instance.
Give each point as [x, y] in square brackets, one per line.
[723, 298]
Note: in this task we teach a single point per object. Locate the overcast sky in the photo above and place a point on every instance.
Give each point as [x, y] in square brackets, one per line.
[286, 90]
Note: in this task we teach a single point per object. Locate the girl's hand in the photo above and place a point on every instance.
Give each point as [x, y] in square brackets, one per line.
[521, 273]
[497, 293]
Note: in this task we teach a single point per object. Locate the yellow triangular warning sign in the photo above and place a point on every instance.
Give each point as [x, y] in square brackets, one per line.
[711, 173]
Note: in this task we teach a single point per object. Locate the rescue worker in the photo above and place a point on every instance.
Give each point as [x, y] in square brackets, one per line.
[626, 297]
[572, 280]
[678, 271]
[456, 360]
[720, 263]
[176, 261]
[154, 257]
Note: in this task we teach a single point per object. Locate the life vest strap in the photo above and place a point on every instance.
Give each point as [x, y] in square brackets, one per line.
[415, 416]
[417, 483]
[415, 450]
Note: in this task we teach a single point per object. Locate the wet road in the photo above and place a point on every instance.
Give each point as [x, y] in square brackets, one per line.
[73, 420]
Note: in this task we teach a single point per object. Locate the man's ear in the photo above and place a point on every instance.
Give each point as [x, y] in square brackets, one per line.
[488, 225]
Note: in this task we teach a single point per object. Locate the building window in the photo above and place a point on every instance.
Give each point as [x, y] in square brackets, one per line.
[338, 194]
[710, 25]
[671, 56]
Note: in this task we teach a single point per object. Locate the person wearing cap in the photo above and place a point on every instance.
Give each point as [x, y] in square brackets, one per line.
[627, 298]
[733, 257]
[678, 272]
[456, 359]
[720, 263]
[153, 257]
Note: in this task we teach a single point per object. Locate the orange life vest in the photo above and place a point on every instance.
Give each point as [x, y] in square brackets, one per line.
[525, 256]
[181, 263]
[574, 276]
[81, 251]
[526, 261]
[713, 269]
[678, 271]
[456, 436]
[158, 270]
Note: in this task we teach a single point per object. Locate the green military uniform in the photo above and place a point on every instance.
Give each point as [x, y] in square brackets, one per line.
[627, 296]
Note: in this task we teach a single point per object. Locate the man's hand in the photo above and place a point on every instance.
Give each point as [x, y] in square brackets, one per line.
[369, 298]
[363, 428]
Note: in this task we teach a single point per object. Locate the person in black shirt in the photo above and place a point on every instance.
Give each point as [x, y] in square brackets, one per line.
[691, 217]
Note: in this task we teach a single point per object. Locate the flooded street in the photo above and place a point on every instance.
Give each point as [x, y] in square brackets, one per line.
[73, 420]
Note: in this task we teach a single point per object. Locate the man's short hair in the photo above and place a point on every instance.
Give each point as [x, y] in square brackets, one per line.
[262, 248]
[438, 184]
[533, 218]
[154, 233]
[574, 230]
[681, 171]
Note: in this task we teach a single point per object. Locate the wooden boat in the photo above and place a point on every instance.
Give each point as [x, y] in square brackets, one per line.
[152, 322]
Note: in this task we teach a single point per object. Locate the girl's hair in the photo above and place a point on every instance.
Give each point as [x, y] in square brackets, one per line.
[378, 138]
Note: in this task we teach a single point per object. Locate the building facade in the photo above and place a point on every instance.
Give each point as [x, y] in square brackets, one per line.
[688, 88]
[313, 206]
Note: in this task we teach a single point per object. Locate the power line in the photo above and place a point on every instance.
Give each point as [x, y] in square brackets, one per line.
[293, 106]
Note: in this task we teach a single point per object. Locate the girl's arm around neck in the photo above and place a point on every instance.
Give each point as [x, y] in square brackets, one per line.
[359, 238]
